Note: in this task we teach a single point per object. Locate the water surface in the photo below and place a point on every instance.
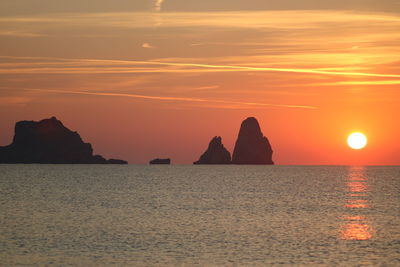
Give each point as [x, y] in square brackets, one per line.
[199, 215]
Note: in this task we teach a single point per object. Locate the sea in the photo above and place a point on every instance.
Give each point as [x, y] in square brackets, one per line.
[203, 215]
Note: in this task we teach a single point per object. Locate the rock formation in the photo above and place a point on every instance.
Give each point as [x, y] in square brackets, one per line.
[215, 154]
[49, 141]
[160, 161]
[251, 146]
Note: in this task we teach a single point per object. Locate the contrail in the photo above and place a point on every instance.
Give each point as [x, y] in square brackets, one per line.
[246, 68]
[177, 64]
[389, 82]
[171, 98]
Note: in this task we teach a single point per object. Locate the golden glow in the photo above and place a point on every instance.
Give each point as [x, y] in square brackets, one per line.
[357, 140]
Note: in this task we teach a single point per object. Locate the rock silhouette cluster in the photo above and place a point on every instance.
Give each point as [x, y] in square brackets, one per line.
[215, 154]
[49, 142]
[160, 161]
[251, 147]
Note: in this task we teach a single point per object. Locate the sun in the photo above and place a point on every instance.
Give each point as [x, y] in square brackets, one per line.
[357, 140]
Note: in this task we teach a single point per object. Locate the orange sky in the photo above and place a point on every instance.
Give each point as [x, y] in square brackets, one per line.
[161, 78]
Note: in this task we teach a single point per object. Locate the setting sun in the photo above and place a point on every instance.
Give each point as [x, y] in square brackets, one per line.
[357, 140]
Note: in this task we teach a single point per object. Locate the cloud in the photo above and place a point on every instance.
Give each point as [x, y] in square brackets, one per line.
[14, 100]
[20, 34]
[243, 19]
[147, 45]
[158, 5]
[202, 88]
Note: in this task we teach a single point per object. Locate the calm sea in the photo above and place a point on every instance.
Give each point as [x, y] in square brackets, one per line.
[95, 215]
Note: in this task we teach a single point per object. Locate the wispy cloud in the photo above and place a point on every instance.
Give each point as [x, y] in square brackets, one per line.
[299, 40]
[178, 99]
[203, 88]
[20, 34]
[14, 100]
[242, 19]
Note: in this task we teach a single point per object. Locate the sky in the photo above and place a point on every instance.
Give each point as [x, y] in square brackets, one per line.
[159, 78]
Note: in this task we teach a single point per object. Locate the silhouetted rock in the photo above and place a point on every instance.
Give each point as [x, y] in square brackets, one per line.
[251, 146]
[160, 161]
[49, 141]
[215, 154]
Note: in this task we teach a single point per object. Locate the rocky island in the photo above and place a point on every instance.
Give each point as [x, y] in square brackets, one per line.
[252, 147]
[49, 142]
[215, 154]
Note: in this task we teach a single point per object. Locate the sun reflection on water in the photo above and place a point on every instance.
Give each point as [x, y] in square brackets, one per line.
[356, 229]
[357, 187]
[356, 226]
[356, 203]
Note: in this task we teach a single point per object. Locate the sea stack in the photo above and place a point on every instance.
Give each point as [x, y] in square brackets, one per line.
[49, 142]
[252, 147]
[215, 154]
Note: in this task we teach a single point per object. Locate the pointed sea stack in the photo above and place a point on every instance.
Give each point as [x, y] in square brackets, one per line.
[215, 154]
[251, 146]
[49, 142]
